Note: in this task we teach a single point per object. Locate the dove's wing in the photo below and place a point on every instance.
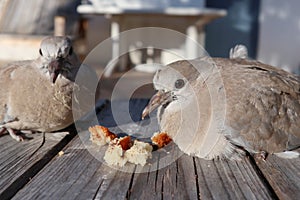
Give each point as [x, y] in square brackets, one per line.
[5, 74]
[263, 106]
[7, 77]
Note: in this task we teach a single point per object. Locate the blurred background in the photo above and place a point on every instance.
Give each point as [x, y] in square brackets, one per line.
[269, 28]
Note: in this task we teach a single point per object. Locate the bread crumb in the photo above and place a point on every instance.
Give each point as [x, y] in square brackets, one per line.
[120, 151]
[61, 153]
[161, 139]
[114, 154]
[139, 153]
[101, 135]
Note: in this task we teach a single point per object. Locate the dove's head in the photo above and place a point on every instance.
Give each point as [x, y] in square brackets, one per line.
[57, 56]
[174, 84]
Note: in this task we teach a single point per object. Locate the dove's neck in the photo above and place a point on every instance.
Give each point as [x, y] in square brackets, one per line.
[188, 125]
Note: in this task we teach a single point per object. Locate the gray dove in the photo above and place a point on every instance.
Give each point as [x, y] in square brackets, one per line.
[223, 108]
[36, 95]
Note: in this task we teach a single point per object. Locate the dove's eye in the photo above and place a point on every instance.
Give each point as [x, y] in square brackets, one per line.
[71, 51]
[179, 83]
[41, 53]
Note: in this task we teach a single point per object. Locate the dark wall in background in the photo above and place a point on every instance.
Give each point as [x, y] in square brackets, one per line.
[240, 26]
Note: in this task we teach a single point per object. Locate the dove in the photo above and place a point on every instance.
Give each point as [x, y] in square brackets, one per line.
[36, 95]
[224, 108]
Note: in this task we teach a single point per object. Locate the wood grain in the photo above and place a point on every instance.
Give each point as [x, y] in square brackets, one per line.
[176, 181]
[283, 175]
[76, 175]
[22, 160]
[222, 179]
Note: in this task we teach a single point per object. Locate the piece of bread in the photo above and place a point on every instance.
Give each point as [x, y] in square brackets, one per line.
[139, 153]
[101, 135]
[161, 139]
[114, 154]
[121, 150]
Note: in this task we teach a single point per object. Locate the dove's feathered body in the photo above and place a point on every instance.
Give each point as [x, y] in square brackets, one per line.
[228, 105]
[263, 106]
[36, 95]
[29, 101]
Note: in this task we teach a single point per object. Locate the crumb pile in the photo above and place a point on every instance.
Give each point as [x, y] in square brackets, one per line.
[123, 150]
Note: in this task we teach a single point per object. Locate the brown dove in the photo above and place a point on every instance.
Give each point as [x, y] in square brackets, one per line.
[36, 95]
[219, 107]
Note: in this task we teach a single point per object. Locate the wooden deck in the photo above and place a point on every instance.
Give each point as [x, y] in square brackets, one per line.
[34, 170]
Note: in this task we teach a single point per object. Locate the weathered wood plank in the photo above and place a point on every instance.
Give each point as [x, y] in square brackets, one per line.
[176, 181]
[222, 179]
[22, 160]
[76, 175]
[283, 175]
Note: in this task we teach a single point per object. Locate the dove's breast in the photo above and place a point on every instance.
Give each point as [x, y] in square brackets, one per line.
[195, 127]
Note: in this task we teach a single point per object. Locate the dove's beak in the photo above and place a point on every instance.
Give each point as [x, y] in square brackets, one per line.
[160, 98]
[55, 67]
